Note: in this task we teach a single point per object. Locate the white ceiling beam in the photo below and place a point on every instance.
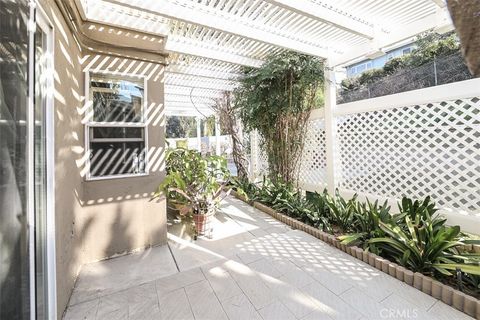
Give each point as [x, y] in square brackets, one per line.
[188, 100]
[224, 23]
[117, 15]
[130, 18]
[172, 96]
[197, 70]
[186, 113]
[178, 78]
[328, 16]
[182, 107]
[439, 21]
[199, 82]
[440, 3]
[196, 92]
[185, 105]
[199, 49]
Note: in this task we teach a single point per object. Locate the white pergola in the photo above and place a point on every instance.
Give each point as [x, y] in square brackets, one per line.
[209, 40]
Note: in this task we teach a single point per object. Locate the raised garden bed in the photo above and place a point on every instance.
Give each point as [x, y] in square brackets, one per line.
[450, 296]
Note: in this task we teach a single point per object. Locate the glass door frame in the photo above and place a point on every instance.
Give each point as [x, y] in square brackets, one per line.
[39, 19]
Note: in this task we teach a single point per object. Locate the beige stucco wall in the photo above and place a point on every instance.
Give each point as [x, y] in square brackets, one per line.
[100, 219]
[68, 95]
[117, 215]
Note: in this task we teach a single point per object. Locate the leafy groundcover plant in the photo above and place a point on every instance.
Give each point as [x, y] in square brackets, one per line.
[417, 237]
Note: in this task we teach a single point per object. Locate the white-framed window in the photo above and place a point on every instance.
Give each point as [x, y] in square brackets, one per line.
[116, 132]
[361, 68]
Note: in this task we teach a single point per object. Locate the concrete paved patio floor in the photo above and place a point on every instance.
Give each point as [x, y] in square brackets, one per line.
[252, 267]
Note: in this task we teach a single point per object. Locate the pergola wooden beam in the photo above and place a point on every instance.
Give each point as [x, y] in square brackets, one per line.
[440, 3]
[198, 49]
[328, 16]
[197, 70]
[234, 26]
[440, 20]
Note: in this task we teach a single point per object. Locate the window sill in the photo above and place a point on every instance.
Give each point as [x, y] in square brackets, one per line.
[120, 176]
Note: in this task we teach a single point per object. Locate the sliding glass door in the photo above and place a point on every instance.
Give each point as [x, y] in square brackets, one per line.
[14, 233]
[42, 75]
[25, 72]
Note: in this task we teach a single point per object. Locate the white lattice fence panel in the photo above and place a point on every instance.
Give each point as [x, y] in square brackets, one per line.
[313, 167]
[263, 162]
[259, 160]
[429, 149]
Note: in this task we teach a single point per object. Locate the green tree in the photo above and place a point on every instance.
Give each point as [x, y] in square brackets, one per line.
[276, 100]
[180, 127]
[429, 45]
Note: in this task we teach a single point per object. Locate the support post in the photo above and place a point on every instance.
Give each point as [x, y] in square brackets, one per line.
[330, 125]
[199, 135]
[217, 135]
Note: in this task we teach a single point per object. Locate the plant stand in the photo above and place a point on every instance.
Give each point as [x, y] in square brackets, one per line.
[203, 222]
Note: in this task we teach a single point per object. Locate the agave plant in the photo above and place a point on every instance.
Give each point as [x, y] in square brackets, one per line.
[366, 223]
[427, 246]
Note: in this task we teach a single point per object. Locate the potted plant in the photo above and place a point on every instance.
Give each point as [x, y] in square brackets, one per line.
[195, 184]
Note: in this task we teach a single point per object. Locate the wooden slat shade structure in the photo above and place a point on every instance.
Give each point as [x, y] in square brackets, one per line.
[210, 40]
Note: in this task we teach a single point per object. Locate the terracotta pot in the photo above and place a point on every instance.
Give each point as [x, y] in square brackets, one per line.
[203, 221]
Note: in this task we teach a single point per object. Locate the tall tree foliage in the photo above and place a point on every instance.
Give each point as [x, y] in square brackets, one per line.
[276, 100]
[466, 18]
[180, 127]
[230, 122]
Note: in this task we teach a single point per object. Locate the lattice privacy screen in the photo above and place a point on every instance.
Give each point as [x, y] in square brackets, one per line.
[313, 167]
[431, 149]
[259, 160]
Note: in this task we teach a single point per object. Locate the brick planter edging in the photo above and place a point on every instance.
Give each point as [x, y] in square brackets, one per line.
[430, 286]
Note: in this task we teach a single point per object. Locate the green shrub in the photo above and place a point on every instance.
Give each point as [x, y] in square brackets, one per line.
[276, 193]
[341, 212]
[371, 76]
[193, 181]
[427, 246]
[365, 225]
[470, 283]
[350, 84]
[320, 213]
[275, 100]
[417, 237]
[245, 188]
[394, 65]
[429, 46]
[424, 210]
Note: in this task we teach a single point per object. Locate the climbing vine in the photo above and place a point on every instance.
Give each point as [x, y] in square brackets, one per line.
[276, 100]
